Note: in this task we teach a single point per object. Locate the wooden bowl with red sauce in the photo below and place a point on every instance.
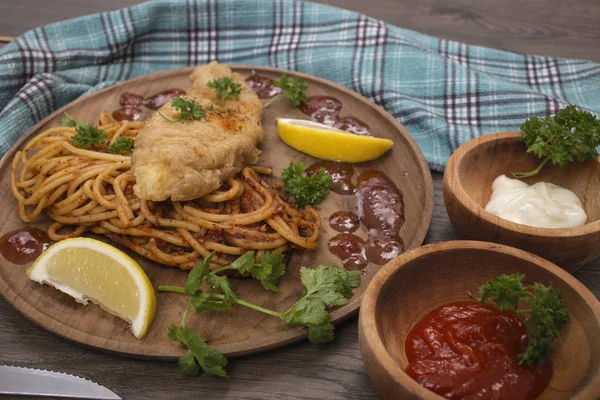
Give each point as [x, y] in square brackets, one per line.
[468, 179]
[412, 285]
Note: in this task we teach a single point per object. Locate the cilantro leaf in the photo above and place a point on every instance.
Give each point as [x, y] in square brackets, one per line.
[188, 110]
[226, 88]
[277, 269]
[188, 365]
[222, 283]
[547, 314]
[306, 189]
[204, 356]
[322, 333]
[121, 145]
[569, 135]
[203, 301]
[267, 269]
[198, 274]
[244, 263]
[326, 286]
[88, 136]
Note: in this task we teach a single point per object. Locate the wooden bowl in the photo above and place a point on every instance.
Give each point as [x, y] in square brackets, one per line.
[468, 187]
[411, 285]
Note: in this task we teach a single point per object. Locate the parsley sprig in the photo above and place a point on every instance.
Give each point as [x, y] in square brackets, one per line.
[292, 89]
[121, 145]
[306, 189]
[546, 315]
[569, 135]
[325, 286]
[87, 136]
[226, 88]
[189, 110]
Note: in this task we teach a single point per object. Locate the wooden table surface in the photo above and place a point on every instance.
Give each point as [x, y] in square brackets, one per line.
[564, 28]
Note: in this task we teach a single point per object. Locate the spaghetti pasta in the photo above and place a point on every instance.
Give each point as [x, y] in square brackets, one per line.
[91, 190]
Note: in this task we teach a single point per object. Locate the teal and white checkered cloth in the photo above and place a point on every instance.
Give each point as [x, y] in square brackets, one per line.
[444, 92]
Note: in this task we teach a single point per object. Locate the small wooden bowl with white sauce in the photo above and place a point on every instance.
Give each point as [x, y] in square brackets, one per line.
[468, 179]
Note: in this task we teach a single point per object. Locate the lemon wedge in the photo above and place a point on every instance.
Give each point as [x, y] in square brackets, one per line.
[327, 143]
[88, 269]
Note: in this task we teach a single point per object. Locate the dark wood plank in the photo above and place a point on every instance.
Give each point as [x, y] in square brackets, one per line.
[554, 28]
[334, 371]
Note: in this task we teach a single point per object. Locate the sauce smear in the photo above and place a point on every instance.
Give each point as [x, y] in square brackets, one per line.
[380, 208]
[130, 104]
[326, 110]
[262, 86]
[323, 109]
[344, 221]
[340, 173]
[468, 350]
[23, 246]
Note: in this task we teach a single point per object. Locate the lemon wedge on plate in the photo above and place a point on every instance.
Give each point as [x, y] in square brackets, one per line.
[327, 143]
[88, 269]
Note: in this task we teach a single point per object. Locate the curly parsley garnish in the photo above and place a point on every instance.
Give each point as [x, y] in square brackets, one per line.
[226, 88]
[306, 189]
[547, 313]
[292, 89]
[121, 145]
[570, 135]
[189, 110]
[88, 136]
[325, 286]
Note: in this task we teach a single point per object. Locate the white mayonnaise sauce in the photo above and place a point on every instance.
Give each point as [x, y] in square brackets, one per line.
[543, 205]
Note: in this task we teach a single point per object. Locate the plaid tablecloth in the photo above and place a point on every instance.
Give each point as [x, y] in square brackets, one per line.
[444, 92]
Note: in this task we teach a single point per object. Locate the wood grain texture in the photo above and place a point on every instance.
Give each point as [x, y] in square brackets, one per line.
[301, 371]
[477, 163]
[239, 331]
[565, 28]
[411, 285]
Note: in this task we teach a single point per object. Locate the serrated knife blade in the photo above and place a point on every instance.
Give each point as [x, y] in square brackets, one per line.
[36, 382]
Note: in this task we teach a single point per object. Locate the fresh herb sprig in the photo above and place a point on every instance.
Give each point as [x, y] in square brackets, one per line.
[325, 286]
[68, 121]
[306, 189]
[569, 135]
[189, 110]
[121, 145]
[87, 136]
[546, 315]
[226, 88]
[293, 89]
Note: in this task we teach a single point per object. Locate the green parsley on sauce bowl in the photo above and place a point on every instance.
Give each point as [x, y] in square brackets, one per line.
[468, 179]
[415, 283]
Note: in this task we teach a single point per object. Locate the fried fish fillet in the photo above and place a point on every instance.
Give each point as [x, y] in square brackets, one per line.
[188, 159]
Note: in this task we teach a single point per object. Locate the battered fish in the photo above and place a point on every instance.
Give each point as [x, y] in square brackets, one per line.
[188, 159]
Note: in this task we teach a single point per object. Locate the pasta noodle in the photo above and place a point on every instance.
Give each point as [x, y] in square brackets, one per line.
[84, 190]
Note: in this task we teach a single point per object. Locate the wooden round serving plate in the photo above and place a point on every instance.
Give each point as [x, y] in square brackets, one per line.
[239, 331]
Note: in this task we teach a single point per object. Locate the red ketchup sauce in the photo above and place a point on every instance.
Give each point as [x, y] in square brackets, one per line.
[130, 104]
[23, 246]
[468, 350]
